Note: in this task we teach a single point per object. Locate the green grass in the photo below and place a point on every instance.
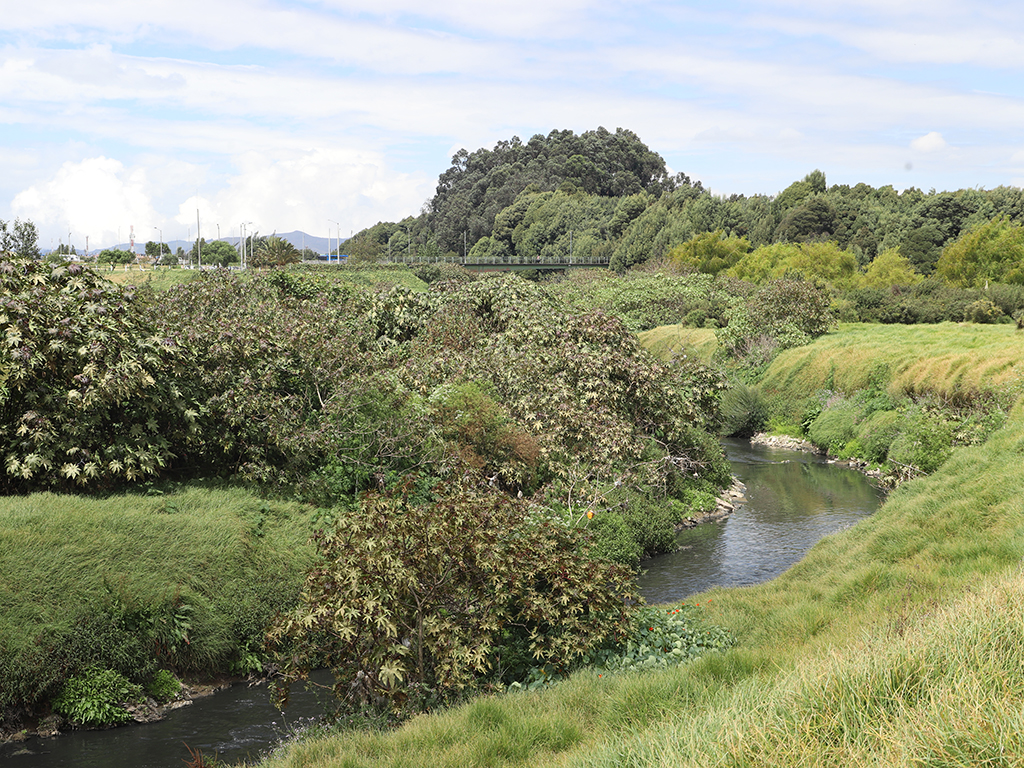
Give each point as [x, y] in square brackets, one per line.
[99, 581]
[668, 340]
[899, 641]
[949, 359]
[160, 279]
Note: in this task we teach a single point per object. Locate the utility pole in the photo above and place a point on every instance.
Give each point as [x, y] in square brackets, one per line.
[199, 248]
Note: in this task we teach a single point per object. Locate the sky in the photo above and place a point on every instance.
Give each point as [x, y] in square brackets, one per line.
[328, 116]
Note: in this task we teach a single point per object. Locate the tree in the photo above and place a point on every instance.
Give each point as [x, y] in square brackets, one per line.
[422, 590]
[275, 251]
[115, 256]
[709, 252]
[992, 252]
[220, 253]
[20, 240]
[155, 251]
[889, 268]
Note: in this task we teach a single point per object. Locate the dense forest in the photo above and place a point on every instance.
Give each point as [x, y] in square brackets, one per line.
[608, 194]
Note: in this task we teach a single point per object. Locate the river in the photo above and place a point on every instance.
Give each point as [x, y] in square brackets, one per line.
[793, 500]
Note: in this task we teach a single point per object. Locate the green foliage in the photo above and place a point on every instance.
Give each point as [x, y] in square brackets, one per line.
[888, 269]
[658, 638]
[744, 411]
[97, 697]
[923, 444]
[479, 185]
[810, 261]
[709, 252]
[876, 434]
[416, 593]
[164, 686]
[992, 252]
[836, 425]
[779, 315]
[982, 311]
[115, 256]
[91, 393]
[664, 637]
[183, 581]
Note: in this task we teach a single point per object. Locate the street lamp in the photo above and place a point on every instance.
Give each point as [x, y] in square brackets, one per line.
[332, 221]
[161, 250]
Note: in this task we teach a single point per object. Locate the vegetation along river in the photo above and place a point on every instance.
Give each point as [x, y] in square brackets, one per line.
[793, 500]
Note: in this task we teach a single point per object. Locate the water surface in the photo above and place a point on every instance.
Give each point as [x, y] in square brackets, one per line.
[793, 500]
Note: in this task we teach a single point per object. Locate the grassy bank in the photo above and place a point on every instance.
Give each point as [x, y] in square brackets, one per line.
[896, 642]
[184, 581]
[948, 359]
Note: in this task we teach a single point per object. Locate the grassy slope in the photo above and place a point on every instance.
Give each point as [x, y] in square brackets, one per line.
[67, 561]
[948, 358]
[844, 659]
[670, 339]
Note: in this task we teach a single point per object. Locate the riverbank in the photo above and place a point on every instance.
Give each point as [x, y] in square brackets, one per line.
[135, 583]
[147, 711]
[909, 620]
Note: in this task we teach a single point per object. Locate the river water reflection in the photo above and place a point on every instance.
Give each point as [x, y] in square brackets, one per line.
[793, 500]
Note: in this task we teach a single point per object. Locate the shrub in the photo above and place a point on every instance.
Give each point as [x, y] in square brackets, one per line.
[924, 442]
[744, 411]
[835, 426]
[97, 697]
[164, 686]
[982, 311]
[417, 589]
[91, 395]
[876, 435]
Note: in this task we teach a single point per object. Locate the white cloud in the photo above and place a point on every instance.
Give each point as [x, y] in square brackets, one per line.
[303, 190]
[96, 198]
[930, 142]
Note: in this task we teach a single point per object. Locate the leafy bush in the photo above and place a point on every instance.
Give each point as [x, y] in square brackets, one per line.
[982, 311]
[164, 686]
[417, 589]
[924, 442]
[836, 425]
[92, 394]
[876, 435]
[97, 698]
[744, 411]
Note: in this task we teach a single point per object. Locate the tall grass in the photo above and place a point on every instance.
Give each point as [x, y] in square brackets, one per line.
[898, 641]
[949, 359]
[668, 340]
[124, 582]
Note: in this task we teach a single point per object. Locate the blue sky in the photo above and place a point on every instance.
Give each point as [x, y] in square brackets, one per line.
[294, 115]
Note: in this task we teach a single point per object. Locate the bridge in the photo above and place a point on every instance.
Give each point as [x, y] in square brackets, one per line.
[511, 264]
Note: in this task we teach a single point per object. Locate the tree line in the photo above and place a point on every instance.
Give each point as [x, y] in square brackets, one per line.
[608, 195]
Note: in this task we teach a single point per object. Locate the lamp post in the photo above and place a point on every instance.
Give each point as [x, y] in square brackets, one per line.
[160, 251]
[332, 221]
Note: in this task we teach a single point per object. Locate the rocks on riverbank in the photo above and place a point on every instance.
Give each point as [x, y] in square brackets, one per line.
[148, 711]
[785, 442]
[730, 498]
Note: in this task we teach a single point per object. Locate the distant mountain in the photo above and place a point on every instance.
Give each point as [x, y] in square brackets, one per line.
[297, 238]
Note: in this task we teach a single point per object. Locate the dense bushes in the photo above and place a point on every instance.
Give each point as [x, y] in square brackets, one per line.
[469, 577]
[91, 395]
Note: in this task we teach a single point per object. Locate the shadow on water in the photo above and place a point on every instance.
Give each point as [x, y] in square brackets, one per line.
[793, 500]
[236, 724]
